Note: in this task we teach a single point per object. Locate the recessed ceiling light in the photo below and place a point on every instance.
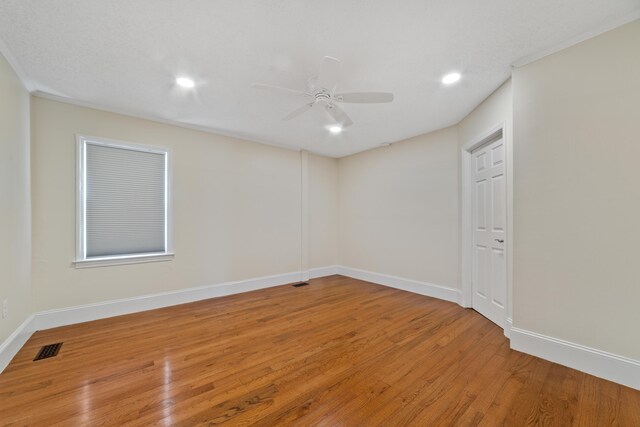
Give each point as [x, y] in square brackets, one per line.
[335, 129]
[185, 82]
[451, 78]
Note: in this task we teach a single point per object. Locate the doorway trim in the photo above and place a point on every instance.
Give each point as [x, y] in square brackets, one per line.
[494, 132]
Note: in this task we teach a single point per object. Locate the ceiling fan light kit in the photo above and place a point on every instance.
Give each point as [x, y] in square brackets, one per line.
[185, 82]
[322, 92]
[451, 78]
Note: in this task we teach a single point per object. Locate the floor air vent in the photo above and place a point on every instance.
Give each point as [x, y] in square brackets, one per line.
[47, 351]
[297, 285]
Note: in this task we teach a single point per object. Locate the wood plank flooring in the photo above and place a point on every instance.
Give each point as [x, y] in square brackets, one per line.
[339, 352]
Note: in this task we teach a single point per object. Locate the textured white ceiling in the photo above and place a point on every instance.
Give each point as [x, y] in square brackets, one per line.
[124, 55]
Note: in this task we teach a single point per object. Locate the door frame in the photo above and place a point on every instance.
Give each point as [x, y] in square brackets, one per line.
[493, 133]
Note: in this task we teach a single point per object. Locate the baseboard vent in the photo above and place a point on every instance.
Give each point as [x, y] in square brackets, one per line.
[297, 285]
[50, 350]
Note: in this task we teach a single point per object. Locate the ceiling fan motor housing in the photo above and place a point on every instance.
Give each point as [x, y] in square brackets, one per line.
[321, 89]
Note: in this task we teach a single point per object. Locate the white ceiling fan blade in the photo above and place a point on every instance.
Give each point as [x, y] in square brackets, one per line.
[364, 97]
[296, 113]
[339, 115]
[279, 89]
[329, 73]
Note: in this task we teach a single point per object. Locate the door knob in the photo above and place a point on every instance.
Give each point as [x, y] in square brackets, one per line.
[499, 240]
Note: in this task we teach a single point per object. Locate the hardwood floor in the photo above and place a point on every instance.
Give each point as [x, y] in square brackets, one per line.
[337, 352]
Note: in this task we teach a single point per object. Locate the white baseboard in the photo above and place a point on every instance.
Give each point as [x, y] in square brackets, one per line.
[599, 363]
[595, 362]
[508, 324]
[14, 342]
[314, 273]
[85, 313]
[422, 288]
[88, 312]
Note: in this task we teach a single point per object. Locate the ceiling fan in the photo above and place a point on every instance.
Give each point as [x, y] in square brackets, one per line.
[321, 91]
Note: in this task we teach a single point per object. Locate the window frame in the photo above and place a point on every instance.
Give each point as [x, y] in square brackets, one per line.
[81, 260]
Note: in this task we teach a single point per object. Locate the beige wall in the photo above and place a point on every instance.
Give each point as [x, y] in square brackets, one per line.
[577, 197]
[399, 206]
[15, 211]
[237, 208]
[496, 109]
[323, 211]
[398, 209]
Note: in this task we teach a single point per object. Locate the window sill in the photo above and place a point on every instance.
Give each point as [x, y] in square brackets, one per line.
[123, 260]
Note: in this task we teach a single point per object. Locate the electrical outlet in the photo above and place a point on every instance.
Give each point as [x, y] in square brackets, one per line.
[5, 309]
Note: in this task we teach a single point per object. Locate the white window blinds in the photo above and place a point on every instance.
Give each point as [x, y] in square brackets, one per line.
[125, 209]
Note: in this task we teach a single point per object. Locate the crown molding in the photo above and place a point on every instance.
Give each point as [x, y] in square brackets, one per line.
[123, 112]
[24, 78]
[632, 16]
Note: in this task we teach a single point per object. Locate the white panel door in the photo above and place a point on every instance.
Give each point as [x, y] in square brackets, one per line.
[489, 274]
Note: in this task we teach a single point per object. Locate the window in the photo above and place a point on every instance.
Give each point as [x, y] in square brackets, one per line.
[123, 203]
